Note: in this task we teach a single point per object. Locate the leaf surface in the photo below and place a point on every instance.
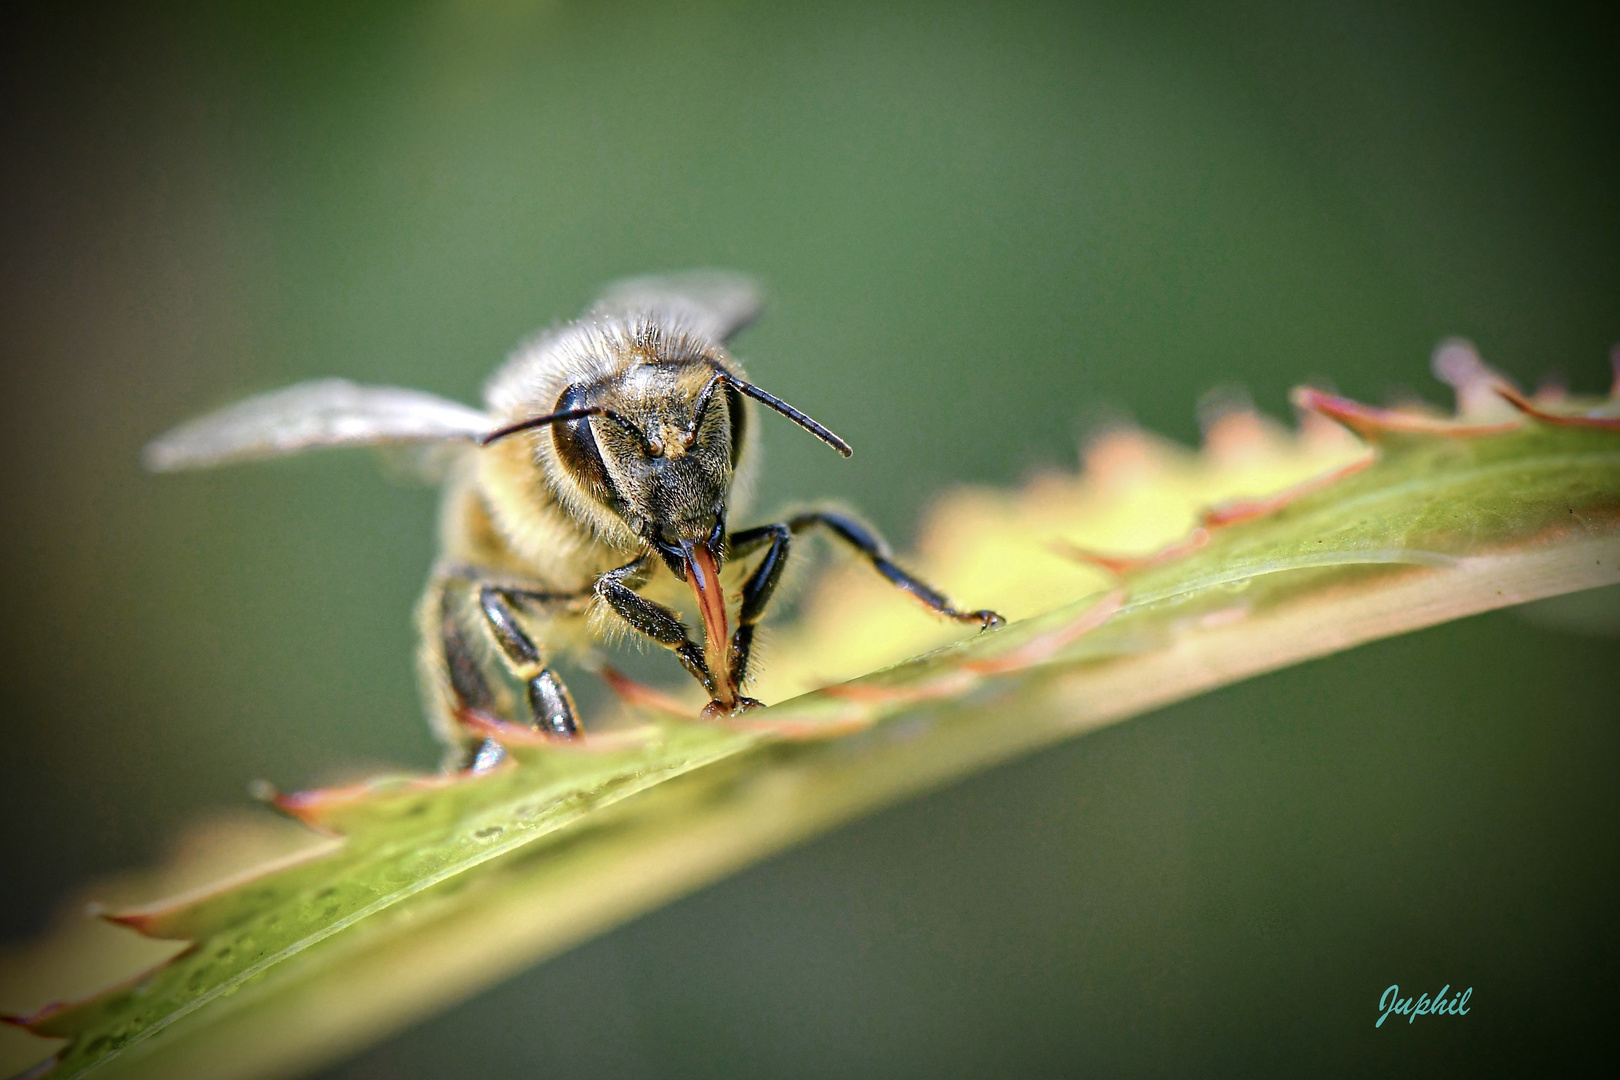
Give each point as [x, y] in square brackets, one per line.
[1151, 576]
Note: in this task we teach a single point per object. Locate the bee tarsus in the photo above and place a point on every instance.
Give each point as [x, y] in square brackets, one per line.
[551, 706]
[484, 756]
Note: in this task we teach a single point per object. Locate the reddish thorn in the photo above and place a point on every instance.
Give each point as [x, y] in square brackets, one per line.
[312, 807]
[1119, 454]
[1372, 422]
[504, 733]
[800, 730]
[148, 921]
[864, 695]
[517, 735]
[307, 806]
[1230, 513]
[1120, 565]
[1225, 616]
[1043, 648]
[31, 1022]
[1530, 408]
[946, 685]
[1550, 391]
[1234, 430]
[1457, 363]
[42, 1070]
[142, 922]
[640, 695]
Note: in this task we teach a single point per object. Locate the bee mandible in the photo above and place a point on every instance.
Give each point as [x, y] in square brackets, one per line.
[597, 480]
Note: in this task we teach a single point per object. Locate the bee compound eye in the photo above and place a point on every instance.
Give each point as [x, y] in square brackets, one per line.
[576, 444]
[739, 423]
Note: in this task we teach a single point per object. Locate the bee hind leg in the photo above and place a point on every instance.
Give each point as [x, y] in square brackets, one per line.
[451, 668]
[454, 663]
[551, 706]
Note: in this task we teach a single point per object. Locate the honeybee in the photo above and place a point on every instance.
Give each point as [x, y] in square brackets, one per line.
[595, 482]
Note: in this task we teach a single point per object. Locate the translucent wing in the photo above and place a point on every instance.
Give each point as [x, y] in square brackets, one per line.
[325, 412]
[715, 302]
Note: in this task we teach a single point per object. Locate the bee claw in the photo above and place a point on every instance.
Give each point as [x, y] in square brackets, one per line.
[989, 620]
[714, 710]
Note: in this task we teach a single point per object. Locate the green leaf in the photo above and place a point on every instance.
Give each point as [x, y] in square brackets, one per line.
[1162, 575]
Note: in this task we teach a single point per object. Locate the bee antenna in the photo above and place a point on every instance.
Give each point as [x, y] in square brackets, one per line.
[535, 421]
[790, 412]
[560, 418]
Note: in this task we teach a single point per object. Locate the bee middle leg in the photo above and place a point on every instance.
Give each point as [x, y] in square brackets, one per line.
[777, 539]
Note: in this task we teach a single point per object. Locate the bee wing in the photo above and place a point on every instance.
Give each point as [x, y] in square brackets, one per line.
[324, 412]
[717, 303]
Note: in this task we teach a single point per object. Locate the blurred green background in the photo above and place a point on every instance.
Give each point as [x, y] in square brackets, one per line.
[985, 228]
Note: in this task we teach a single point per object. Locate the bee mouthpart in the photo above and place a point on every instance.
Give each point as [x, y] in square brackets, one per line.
[703, 575]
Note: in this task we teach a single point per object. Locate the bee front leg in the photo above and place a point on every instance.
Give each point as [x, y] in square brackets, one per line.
[654, 620]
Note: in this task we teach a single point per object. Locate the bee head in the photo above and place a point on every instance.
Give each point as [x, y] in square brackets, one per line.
[653, 444]
[657, 444]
